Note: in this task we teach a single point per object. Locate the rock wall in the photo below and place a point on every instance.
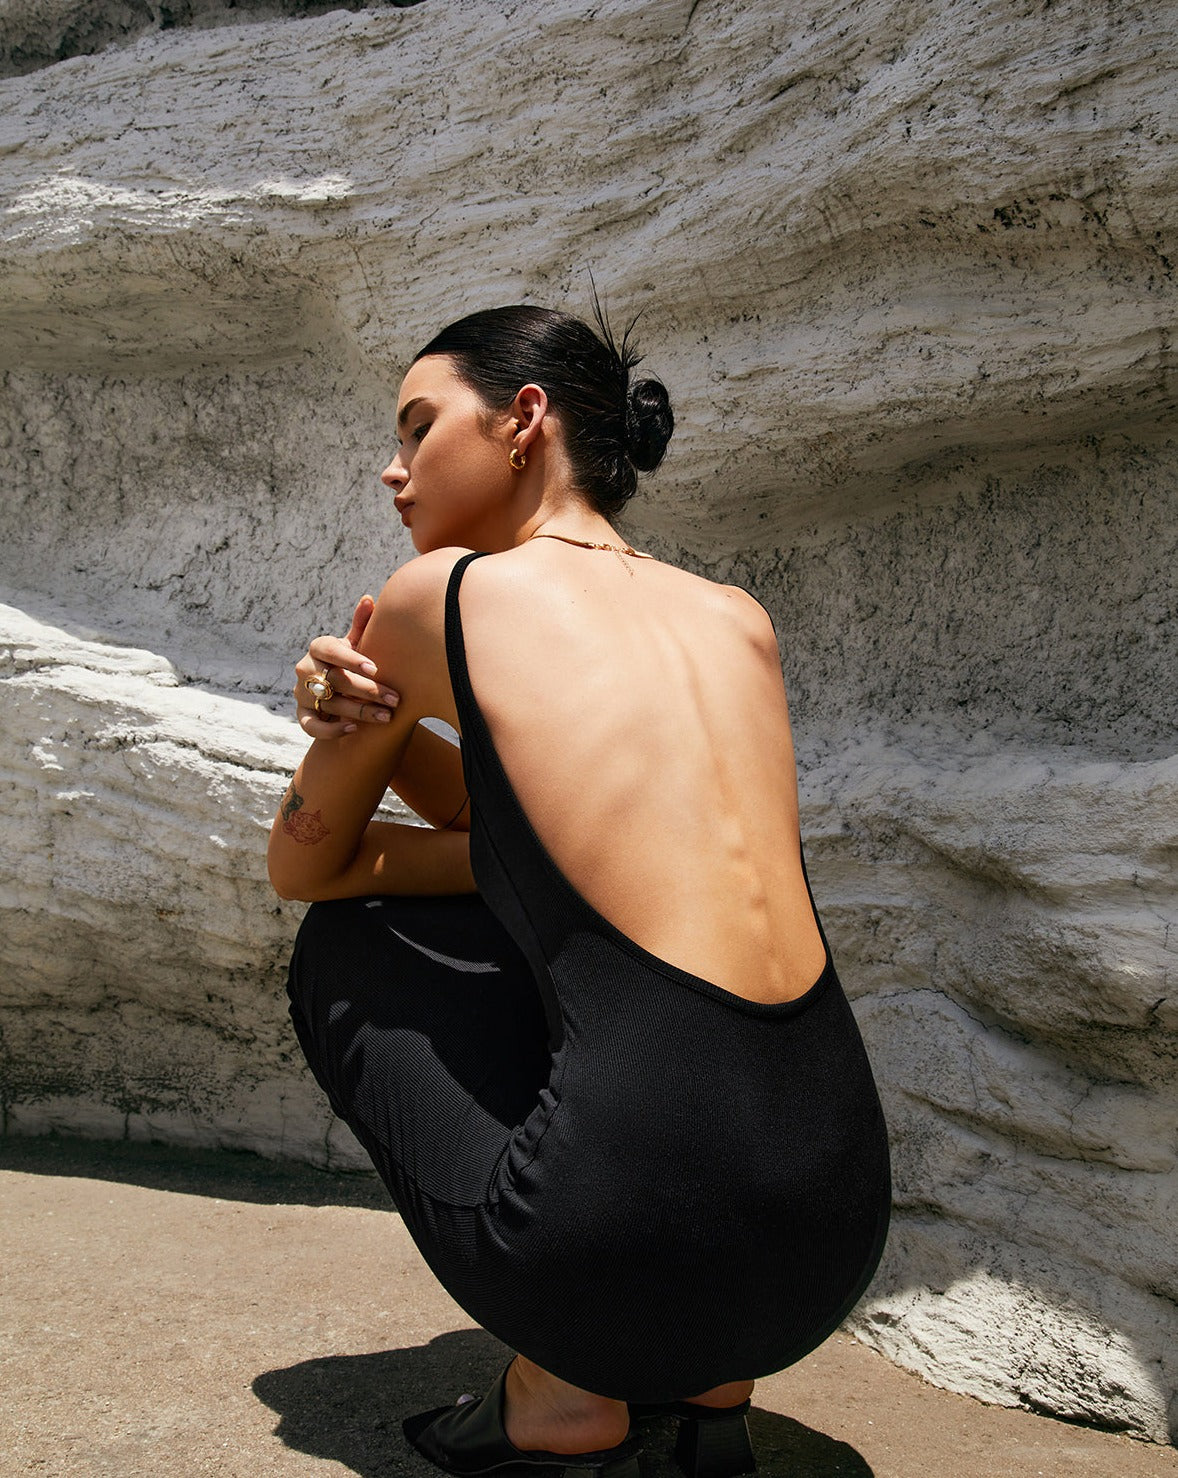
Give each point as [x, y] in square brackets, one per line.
[908, 271]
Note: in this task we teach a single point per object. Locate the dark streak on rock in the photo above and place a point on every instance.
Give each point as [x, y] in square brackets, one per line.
[93, 25]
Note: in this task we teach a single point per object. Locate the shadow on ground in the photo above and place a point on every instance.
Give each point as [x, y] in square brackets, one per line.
[229, 1175]
[349, 1408]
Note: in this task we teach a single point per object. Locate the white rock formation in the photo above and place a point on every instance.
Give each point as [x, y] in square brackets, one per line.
[908, 271]
[143, 952]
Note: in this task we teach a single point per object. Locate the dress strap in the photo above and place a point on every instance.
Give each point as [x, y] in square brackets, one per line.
[464, 699]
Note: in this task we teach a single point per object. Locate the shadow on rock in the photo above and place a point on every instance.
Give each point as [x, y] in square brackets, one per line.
[349, 1409]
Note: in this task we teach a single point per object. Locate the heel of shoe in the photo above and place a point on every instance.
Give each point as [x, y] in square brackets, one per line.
[623, 1467]
[715, 1446]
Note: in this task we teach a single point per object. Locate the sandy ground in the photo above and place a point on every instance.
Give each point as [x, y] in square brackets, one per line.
[172, 1313]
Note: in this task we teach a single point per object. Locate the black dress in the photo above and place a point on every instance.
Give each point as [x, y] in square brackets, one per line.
[645, 1183]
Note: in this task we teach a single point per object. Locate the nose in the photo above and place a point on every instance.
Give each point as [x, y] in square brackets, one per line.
[395, 476]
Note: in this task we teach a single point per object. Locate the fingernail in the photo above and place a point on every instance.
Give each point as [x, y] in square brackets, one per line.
[391, 698]
[383, 716]
[368, 668]
[349, 728]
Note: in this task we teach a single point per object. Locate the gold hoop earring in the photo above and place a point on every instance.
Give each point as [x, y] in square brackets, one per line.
[517, 459]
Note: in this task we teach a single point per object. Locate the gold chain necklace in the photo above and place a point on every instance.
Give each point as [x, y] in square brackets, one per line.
[618, 549]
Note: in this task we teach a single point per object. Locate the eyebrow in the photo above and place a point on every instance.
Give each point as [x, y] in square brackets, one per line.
[403, 414]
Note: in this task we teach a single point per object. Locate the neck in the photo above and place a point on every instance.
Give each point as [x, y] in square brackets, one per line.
[619, 549]
[574, 521]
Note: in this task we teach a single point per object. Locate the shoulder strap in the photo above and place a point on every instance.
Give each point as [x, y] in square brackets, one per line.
[455, 645]
[765, 608]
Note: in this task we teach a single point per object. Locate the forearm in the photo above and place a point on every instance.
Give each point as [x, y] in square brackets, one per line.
[394, 858]
[321, 824]
[429, 779]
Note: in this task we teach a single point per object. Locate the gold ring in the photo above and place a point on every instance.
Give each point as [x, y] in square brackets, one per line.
[319, 687]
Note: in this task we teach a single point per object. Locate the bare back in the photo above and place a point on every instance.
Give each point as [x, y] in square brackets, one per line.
[640, 716]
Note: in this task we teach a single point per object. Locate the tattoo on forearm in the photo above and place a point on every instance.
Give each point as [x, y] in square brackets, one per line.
[304, 827]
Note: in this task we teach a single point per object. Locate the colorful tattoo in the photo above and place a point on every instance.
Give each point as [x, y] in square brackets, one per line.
[301, 826]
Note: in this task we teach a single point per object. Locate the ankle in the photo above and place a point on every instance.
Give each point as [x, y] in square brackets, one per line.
[733, 1394]
[545, 1413]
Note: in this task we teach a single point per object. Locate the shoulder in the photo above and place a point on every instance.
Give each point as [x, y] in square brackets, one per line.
[736, 608]
[414, 588]
[414, 595]
[407, 633]
[751, 614]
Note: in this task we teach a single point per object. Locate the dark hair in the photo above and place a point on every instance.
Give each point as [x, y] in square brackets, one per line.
[613, 430]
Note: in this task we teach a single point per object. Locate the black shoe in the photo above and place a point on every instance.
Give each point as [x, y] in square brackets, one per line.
[469, 1439]
[713, 1441]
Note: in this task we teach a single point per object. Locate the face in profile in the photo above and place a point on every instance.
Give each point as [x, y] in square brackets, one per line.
[450, 475]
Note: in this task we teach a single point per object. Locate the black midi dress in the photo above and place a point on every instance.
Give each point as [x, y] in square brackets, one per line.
[645, 1183]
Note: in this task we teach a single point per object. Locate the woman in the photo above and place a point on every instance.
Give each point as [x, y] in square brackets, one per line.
[616, 1093]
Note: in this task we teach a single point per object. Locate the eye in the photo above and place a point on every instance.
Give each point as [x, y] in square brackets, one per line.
[418, 432]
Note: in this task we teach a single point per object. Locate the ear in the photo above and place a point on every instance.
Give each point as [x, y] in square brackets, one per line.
[528, 410]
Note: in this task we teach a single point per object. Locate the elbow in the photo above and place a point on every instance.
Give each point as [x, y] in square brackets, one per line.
[291, 884]
[286, 888]
[297, 884]
[297, 890]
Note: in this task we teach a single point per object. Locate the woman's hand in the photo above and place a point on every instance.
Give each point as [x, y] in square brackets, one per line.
[356, 697]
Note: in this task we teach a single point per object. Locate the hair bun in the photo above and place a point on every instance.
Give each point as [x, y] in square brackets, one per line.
[649, 423]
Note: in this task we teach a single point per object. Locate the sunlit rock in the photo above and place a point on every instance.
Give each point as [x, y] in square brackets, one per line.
[908, 272]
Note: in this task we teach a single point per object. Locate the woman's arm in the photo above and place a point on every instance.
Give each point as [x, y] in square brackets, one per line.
[430, 781]
[323, 843]
[429, 775]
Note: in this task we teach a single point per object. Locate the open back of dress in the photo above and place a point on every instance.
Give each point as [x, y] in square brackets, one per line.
[645, 1183]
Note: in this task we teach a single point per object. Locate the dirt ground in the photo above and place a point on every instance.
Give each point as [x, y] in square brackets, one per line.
[172, 1313]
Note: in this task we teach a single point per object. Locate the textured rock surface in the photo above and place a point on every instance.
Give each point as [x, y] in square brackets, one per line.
[143, 952]
[909, 276]
[1012, 979]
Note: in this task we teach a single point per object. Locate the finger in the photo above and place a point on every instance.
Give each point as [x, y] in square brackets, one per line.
[360, 618]
[349, 672]
[370, 710]
[308, 706]
[337, 651]
[354, 711]
[372, 707]
[347, 685]
[322, 728]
